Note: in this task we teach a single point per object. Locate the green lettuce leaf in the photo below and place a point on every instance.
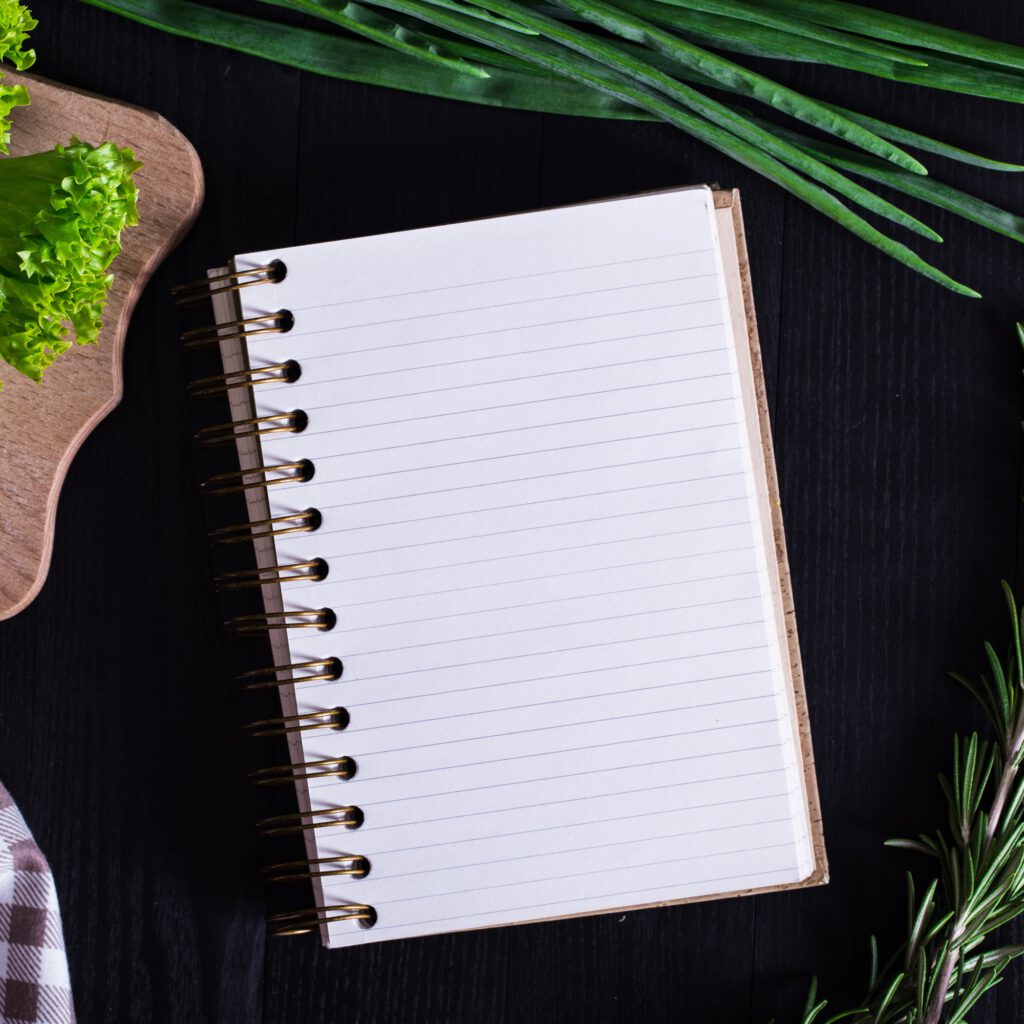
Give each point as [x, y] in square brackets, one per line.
[16, 22]
[61, 218]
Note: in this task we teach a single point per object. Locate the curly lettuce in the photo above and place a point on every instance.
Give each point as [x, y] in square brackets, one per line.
[16, 22]
[61, 218]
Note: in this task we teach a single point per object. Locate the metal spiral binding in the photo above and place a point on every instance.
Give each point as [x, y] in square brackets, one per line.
[221, 383]
[328, 669]
[305, 821]
[331, 718]
[294, 870]
[240, 480]
[297, 522]
[302, 922]
[322, 619]
[294, 422]
[280, 322]
[246, 579]
[330, 767]
[262, 477]
[197, 292]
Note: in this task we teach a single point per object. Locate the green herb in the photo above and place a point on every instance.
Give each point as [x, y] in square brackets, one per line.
[61, 217]
[15, 25]
[656, 59]
[951, 956]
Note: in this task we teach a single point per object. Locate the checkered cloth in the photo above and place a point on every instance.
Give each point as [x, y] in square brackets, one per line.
[34, 983]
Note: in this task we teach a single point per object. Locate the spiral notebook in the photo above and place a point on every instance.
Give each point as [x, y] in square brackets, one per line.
[513, 504]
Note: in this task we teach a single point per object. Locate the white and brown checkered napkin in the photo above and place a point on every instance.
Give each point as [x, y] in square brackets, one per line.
[34, 983]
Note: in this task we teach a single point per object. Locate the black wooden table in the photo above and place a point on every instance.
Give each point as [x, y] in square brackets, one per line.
[895, 407]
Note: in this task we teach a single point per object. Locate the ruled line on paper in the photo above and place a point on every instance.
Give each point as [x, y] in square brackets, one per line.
[510, 405]
[526, 504]
[581, 622]
[674, 684]
[532, 529]
[552, 576]
[512, 914]
[509, 329]
[584, 647]
[308, 358]
[526, 479]
[491, 383]
[549, 854]
[580, 799]
[568, 725]
[520, 455]
[567, 675]
[603, 871]
[528, 554]
[590, 796]
[532, 426]
[510, 355]
[516, 277]
[524, 759]
[594, 821]
[490, 307]
[538, 604]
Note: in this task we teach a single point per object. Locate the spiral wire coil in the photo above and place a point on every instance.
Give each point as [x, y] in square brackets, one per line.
[263, 477]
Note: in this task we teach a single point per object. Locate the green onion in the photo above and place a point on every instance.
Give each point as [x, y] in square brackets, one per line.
[589, 72]
[656, 59]
[363, 22]
[747, 13]
[926, 144]
[882, 25]
[715, 68]
[337, 57]
[929, 190]
[947, 73]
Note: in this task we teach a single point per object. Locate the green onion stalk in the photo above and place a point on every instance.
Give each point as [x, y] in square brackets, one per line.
[676, 61]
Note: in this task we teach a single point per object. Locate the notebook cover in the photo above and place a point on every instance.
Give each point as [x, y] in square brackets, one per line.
[732, 238]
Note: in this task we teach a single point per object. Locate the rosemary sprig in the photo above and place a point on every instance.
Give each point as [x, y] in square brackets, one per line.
[950, 957]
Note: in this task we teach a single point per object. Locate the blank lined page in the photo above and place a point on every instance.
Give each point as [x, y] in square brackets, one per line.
[562, 669]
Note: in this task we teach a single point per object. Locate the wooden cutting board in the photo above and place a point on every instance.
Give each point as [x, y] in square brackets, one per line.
[43, 425]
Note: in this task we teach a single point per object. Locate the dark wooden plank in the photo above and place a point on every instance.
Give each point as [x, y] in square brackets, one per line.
[895, 410]
[895, 424]
[119, 726]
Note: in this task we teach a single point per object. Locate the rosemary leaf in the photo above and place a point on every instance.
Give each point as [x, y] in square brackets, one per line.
[948, 961]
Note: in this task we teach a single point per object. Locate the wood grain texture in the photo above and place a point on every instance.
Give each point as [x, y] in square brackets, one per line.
[895, 409]
[43, 425]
